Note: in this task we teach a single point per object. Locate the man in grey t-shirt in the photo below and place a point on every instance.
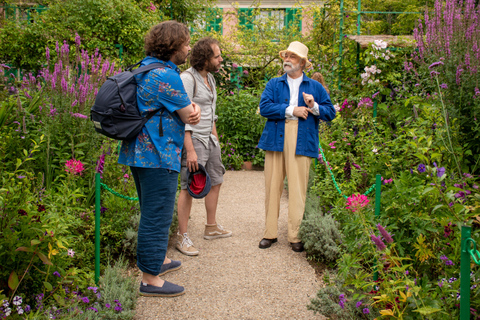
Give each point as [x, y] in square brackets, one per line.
[201, 142]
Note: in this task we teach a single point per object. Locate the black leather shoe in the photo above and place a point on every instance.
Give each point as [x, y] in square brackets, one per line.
[297, 247]
[266, 243]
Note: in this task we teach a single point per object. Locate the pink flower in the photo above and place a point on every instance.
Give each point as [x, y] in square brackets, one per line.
[152, 7]
[245, 72]
[357, 201]
[234, 65]
[74, 166]
[384, 233]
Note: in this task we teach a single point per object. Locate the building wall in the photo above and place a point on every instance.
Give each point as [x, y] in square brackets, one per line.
[230, 19]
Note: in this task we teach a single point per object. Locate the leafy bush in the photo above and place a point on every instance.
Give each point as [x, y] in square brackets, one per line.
[320, 236]
[96, 21]
[239, 127]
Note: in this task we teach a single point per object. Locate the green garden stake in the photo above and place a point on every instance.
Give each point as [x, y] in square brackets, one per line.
[465, 274]
[340, 48]
[378, 193]
[97, 227]
[120, 51]
[375, 103]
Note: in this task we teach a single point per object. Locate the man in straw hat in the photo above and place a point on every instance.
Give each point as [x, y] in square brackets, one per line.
[293, 105]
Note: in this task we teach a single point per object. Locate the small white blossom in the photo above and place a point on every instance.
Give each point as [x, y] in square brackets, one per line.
[8, 311]
[5, 303]
[19, 310]
[17, 300]
[374, 150]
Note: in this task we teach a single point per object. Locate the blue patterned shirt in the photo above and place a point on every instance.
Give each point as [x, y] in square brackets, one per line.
[160, 88]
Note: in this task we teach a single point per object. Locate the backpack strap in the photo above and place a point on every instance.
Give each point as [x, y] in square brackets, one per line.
[194, 83]
[145, 69]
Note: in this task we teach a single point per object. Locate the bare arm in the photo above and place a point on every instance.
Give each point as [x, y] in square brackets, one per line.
[192, 163]
[214, 131]
[190, 114]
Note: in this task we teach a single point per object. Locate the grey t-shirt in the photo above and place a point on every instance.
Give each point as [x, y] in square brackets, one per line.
[206, 99]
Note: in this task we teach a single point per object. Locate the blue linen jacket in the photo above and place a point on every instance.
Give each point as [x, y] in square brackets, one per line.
[276, 98]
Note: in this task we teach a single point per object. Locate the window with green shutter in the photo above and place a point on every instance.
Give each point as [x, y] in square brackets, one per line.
[215, 20]
[212, 20]
[245, 18]
[293, 19]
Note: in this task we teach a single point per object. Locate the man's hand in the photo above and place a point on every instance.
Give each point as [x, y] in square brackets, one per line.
[192, 163]
[301, 112]
[194, 117]
[309, 101]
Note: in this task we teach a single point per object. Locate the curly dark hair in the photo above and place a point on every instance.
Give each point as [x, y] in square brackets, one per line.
[164, 39]
[202, 52]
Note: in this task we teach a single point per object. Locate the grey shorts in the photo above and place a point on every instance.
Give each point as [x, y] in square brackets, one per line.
[210, 158]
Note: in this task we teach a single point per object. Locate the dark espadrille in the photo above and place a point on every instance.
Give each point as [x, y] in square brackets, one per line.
[172, 266]
[167, 290]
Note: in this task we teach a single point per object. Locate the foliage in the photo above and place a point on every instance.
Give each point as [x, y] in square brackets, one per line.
[239, 127]
[65, 18]
[449, 45]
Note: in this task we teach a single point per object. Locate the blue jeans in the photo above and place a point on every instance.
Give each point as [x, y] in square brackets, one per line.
[156, 188]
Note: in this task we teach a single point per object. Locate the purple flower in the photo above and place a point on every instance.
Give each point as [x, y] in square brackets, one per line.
[92, 308]
[384, 233]
[107, 305]
[435, 64]
[27, 308]
[366, 311]
[407, 272]
[440, 172]
[103, 209]
[118, 308]
[342, 300]
[85, 300]
[460, 194]
[421, 168]
[444, 86]
[56, 274]
[358, 304]
[378, 242]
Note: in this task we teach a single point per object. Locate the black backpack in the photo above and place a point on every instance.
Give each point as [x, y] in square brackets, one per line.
[115, 112]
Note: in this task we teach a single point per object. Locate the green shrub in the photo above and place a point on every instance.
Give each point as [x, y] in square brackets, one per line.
[239, 127]
[320, 235]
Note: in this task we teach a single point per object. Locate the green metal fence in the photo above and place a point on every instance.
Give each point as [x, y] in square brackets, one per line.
[359, 13]
[468, 249]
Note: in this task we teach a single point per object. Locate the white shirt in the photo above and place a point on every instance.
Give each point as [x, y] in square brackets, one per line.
[294, 85]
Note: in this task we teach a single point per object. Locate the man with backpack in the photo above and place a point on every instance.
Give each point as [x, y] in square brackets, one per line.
[201, 146]
[154, 155]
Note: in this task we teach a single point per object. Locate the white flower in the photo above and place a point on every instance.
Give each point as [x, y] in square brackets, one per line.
[387, 57]
[377, 80]
[337, 107]
[380, 44]
[5, 303]
[370, 81]
[379, 71]
[7, 311]
[71, 253]
[19, 310]
[374, 150]
[17, 300]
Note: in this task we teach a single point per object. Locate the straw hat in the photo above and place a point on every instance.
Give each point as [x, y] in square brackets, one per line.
[300, 50]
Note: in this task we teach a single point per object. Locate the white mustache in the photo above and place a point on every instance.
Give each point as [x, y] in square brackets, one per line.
[288, 64]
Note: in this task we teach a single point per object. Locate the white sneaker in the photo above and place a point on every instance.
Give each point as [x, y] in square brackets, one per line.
[214, 231]
[185, 245]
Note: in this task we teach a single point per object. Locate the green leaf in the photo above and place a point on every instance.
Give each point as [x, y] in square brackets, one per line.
[44, 259]
[437, 207]
[427, 310]
[25, 249]
[13, 280]
[59, 299]
[427, 190]
[34, 242]
[48, 286]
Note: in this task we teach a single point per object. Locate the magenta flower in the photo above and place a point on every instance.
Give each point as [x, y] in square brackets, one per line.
[234, 65]
[356, 201]
[435, 64]
[74, 167]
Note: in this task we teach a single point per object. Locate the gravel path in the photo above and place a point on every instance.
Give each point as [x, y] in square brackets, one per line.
[232, 278]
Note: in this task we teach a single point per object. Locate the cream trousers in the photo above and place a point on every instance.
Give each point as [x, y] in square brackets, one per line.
[296, 168]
